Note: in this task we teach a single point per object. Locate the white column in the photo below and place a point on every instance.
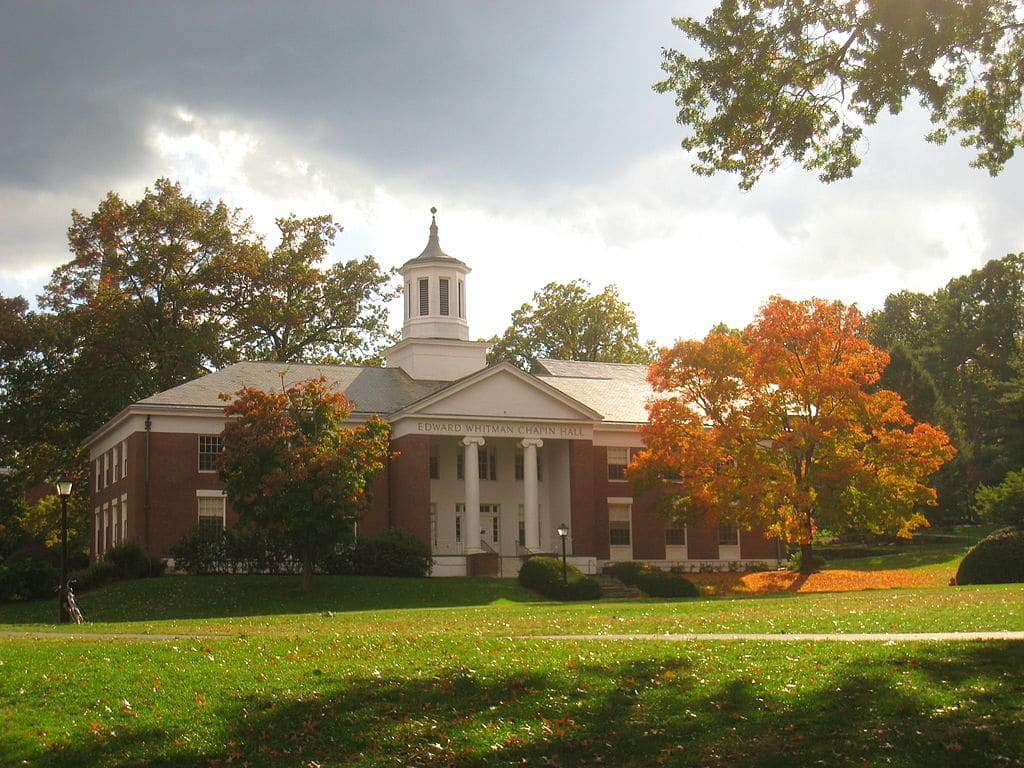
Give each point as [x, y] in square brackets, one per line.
[471, 474]
[531, 513]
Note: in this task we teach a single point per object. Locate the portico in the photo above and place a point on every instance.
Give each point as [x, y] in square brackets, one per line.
[498, 453]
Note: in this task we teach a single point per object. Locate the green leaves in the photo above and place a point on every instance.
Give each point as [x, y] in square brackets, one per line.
[281, 305]
[567, 322]
[788, 80]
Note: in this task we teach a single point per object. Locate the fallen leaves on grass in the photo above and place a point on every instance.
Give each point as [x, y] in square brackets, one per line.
[767, 582]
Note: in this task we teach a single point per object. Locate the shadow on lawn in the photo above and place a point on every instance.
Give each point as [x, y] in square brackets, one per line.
[208, 597]
[935, 705]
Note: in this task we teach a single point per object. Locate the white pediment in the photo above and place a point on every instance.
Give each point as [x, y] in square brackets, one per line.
[503, 392]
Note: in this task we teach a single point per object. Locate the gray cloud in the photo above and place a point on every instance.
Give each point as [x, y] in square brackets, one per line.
[497, 92]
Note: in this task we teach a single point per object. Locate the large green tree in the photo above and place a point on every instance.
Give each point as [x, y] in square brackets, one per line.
[280, 305]
[136, 309]
[292, 466]
[799, 80]
[567, 322]
[960, 360]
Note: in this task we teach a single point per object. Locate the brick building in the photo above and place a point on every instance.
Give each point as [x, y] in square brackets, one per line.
[545, 448]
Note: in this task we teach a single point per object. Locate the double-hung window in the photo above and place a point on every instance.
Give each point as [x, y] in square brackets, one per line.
[211, 513]
[210, 447]
[618, 460]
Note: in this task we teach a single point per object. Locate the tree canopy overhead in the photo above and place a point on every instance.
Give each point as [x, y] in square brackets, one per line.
[783, 428]
[799, 79]
[567, 322]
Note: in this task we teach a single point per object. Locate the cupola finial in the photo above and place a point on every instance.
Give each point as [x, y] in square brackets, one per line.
[433, 243]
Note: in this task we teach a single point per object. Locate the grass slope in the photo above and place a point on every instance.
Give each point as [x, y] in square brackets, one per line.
[353, 675]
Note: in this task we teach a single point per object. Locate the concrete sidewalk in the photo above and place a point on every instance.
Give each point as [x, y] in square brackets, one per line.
[857, 637]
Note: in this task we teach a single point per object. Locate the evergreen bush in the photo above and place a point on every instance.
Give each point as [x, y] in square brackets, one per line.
[392, 553]
[996, 559]
[797, 565]
[652, 581]
[96, 575]
[544, 575]
[1003, 503]
[201, 551]
[131, 562]
[28, 579]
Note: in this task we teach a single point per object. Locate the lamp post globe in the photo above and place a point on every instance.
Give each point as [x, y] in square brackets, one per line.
[63, 491]
[563, 532]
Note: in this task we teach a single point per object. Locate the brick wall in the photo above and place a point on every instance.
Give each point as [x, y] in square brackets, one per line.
[754, 546]
[702, 542]
[174, 480]
[648, 528]
[583, 501]
[410, 485]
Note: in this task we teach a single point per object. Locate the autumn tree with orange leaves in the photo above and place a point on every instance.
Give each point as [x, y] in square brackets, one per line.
[782, 428]
[294, 469]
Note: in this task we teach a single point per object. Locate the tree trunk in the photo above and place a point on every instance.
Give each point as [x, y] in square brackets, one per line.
[807, 558]
[307, 571]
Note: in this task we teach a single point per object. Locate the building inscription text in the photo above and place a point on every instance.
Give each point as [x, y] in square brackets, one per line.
[501, 429]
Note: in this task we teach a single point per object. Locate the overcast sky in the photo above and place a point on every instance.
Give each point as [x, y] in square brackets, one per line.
[531, 125]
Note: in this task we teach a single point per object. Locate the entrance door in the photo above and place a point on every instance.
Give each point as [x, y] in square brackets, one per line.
[490, 524]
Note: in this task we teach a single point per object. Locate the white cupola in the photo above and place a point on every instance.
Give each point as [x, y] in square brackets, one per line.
[435, 332]
[435, 292]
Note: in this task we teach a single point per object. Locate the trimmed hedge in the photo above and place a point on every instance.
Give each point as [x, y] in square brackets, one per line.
[28, 579]
[544, 575]
[131, 562]
[245, 550]
[996, 559]
[392, 553]
[651, 580]
[96, 575]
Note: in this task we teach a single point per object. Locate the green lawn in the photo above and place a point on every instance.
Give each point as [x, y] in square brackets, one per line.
[942, 547]
[376, 672]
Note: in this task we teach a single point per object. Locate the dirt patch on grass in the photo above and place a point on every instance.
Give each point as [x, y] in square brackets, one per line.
[830, 580]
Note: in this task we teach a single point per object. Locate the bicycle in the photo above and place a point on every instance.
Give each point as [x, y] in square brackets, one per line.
[71, 605]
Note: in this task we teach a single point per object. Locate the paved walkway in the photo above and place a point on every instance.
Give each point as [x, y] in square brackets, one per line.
[112, 635]
[856, 637]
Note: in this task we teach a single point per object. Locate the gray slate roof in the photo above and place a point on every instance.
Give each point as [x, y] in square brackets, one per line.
[373, 390]
[618, 391]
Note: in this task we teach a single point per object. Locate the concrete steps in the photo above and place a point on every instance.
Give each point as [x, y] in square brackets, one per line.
[612, 587]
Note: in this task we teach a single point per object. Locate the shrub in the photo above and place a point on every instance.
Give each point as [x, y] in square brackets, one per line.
[996, 559]
[544, 575]
[96, 575]
[659, 583]
[201, 551]
[797, 565]
[28, 579]
[131, 562]
[392, 553]
[1003, 503]
[9, 584]
[627, 572]
[652, 580]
